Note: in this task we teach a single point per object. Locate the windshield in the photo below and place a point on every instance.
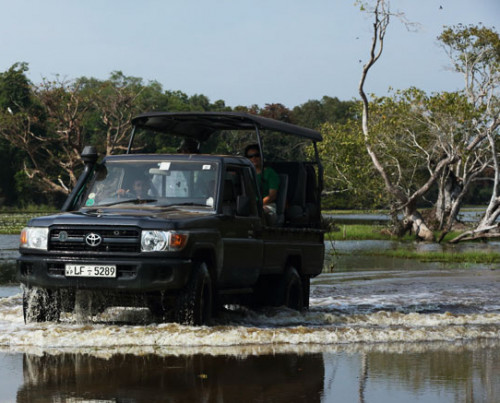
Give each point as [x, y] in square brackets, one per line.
[154, 183]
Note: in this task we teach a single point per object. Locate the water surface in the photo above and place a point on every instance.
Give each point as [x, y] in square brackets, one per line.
[379, 330]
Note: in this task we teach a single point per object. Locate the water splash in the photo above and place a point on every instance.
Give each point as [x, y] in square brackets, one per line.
[129, 328]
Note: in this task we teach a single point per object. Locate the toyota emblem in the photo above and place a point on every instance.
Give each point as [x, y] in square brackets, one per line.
[93, 239]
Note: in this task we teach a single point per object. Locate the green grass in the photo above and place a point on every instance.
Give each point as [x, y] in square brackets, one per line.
[13, 223]
[28, 209]
[380, 232]
[360, 232]
[361, 212]
[449, 236]
[14, 219]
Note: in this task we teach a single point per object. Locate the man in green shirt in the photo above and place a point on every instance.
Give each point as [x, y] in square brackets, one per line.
[267, 178]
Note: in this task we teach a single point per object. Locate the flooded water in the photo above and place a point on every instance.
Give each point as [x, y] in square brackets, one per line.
[466, 215]
[378, 330]
[8, 252]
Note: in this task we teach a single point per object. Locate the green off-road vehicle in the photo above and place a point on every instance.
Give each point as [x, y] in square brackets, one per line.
[181, 234]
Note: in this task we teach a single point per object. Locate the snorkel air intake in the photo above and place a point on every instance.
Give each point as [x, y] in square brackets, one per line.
[89, 156]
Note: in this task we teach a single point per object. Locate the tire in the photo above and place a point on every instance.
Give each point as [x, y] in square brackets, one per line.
[306, 287]
[160, 307]
[157, 310]
[195, 303]
[41, 305]
[290, 292]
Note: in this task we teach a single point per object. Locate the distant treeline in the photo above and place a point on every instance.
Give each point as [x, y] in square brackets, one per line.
[43, 126]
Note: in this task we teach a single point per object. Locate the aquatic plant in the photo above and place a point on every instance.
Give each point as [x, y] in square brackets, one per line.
[13, 223]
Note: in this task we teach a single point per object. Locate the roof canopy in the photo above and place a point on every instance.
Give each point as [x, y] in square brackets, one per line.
[200, 125]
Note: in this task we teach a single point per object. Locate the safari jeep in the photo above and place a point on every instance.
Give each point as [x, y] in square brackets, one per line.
[180, 234]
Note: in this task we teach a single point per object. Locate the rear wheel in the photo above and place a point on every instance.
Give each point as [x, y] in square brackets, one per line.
[41, 305]
[290, 292]
[195, 303]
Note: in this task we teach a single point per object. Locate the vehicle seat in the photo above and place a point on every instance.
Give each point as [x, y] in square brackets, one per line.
[281, 199]
[296, 213]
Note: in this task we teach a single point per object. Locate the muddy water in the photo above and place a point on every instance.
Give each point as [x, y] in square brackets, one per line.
[379, 330]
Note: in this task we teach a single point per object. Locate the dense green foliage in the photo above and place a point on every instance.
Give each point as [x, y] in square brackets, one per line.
[44, 127]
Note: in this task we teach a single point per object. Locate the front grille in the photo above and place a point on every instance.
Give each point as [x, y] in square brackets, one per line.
[73, 239]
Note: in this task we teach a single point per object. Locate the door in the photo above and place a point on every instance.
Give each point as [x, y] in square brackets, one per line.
[241, 230]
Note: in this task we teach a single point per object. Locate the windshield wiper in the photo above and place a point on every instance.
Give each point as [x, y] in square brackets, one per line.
[133, 201]
[186, 204]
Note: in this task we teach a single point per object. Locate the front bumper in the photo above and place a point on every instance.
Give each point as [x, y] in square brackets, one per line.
[133, 274]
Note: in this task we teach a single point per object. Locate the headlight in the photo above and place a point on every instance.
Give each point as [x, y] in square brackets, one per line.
[34, 238]
[158, 241]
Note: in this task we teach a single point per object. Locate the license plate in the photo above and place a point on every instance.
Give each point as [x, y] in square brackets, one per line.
[90, 270]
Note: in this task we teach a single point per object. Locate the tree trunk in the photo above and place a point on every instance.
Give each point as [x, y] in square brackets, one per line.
[450, 189]
[413, 219]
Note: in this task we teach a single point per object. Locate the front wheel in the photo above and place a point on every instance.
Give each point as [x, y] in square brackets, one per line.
[194, 304]
[41, 305]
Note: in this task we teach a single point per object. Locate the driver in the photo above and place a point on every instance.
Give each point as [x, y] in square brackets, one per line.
[139, 190]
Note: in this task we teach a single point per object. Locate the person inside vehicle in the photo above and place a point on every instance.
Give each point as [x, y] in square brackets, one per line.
[139, 190]
[189, 146]
[268, 179]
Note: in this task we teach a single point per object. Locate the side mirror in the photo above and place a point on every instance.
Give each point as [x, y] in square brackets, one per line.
[243, 206]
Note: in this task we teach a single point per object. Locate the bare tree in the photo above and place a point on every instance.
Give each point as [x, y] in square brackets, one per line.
[446, 119]
[475, 53]
[117, 102]
[405, 202]
[51, 131]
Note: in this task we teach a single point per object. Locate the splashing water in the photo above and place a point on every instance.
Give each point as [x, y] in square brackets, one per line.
[345, 309]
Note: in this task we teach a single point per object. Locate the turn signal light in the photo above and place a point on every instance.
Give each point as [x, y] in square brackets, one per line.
[178, 241]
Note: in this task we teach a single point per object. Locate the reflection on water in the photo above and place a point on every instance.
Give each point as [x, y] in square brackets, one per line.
[376, 373]
[192, 378]
[9, 245]
[431, 373]
[8, 253]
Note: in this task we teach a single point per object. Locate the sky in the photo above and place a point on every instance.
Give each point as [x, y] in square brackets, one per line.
[242, 52]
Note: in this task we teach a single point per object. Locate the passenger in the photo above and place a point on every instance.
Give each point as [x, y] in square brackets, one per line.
[268, 179]
[189, 146]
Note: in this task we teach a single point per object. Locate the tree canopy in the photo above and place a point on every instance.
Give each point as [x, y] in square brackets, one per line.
[46, 125]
